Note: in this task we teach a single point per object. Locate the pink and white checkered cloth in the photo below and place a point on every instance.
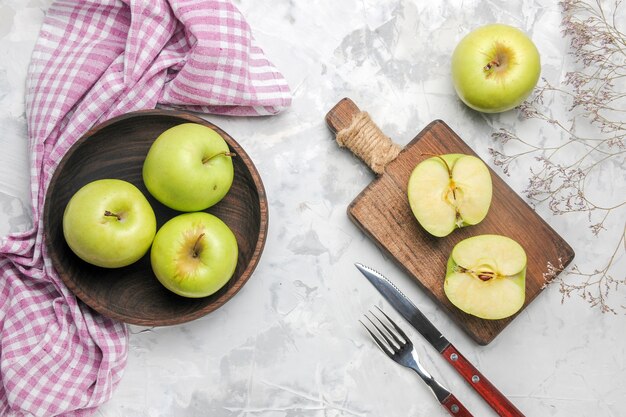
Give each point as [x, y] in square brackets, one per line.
[95, 60]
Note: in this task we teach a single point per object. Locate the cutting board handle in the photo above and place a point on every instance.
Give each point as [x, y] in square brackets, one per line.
[355, 130]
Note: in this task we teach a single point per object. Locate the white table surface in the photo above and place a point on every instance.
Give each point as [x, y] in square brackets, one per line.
[289, 344]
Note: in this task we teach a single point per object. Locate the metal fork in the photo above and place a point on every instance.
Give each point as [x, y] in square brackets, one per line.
[399, 347]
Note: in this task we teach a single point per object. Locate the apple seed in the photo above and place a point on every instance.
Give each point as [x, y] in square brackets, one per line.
[482, 275]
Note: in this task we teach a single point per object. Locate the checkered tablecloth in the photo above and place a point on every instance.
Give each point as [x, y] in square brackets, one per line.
[95, 60]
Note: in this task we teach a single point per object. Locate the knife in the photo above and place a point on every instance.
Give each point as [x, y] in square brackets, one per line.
[416, 318]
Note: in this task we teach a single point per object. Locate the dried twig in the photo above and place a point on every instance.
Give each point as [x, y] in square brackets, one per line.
[592, 138]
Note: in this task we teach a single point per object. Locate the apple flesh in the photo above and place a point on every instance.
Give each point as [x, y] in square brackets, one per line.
[188, 167]
[494, 68]
[486, 276]
[194, 254]
[109, 223]
[449, 191]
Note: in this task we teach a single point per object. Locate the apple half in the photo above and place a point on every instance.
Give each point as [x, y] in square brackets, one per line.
[486, 276]
[449, 191]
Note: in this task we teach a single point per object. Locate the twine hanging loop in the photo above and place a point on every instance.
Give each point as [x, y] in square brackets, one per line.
[368, 142]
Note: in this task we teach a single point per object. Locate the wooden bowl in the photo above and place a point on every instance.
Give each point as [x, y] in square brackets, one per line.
[117, 149]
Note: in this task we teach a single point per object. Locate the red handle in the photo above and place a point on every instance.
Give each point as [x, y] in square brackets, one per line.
[490, 394]
[454, 407]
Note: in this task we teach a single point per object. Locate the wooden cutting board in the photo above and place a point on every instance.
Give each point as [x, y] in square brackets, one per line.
[382, 211]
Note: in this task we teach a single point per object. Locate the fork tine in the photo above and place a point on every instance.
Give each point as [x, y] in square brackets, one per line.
[404, 353]
[380, 344]
[389, 331]
[395, 326]
[392, 346]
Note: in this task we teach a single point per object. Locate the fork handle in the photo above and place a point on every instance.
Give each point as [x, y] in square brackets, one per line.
[454, 407]
[480, 384]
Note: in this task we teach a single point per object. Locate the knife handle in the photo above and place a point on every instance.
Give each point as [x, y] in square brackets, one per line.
[480, 384]
[454, 407]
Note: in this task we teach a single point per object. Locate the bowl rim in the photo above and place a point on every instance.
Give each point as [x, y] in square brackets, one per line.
[184, 117]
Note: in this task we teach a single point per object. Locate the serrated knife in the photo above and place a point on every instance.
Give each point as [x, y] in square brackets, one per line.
[416, 318]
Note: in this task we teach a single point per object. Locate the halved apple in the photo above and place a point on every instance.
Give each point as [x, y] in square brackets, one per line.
[449, 191]
[486, 276]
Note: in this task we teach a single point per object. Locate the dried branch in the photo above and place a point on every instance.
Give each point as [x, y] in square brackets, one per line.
[593, 138]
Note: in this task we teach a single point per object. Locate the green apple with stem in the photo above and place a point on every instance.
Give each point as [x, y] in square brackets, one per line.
[194, 254]
[109, 223]
[449, 191]
[189, 167]
[486, 276]
[495, 67]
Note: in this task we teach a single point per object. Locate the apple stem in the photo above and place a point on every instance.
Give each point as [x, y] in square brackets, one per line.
[452, 184]
[442, 160]
[491, 64]
[111, 214]
[194, 251]
[225, 153]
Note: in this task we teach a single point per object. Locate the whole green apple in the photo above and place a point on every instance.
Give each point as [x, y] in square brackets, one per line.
[109, 223]
[194, 254]
[494, 68]
[188, 167]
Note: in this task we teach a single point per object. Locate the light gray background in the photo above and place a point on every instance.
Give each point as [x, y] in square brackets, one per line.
[289, 343]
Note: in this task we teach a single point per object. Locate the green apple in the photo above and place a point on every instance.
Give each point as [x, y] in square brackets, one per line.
[486, 276]
[449, 191]
[109, 223]
[194, 254]
[494, 68]
[188, 167]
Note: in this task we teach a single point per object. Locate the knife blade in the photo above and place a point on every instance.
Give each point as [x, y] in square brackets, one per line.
[401, 303]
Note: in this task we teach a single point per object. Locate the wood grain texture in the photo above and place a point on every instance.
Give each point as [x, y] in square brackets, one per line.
[340, 116]
[116, 149]
[382, 211]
